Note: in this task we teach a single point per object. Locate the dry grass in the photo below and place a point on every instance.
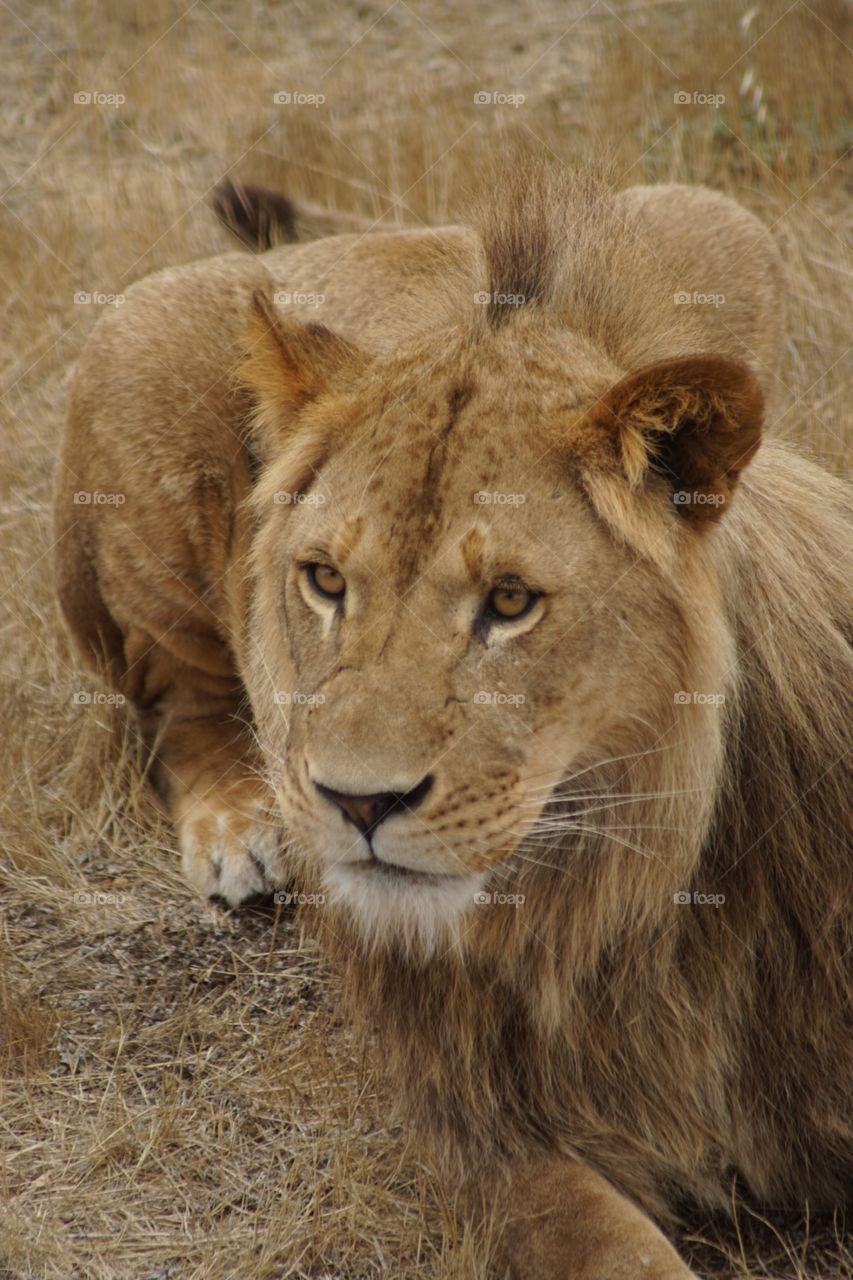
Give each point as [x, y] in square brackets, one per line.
[179, 1097]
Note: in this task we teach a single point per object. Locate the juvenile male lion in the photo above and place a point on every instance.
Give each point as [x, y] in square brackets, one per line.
[547, 663]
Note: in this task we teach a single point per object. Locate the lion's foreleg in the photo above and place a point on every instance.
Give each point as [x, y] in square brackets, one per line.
[565, 1222]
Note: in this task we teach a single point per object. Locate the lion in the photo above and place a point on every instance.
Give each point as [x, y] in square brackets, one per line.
[455, 574]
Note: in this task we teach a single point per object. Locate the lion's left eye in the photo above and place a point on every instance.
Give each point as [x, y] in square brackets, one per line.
[507, 603]
[326, 581]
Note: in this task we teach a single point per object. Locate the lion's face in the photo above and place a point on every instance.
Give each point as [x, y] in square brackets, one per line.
[444, 628]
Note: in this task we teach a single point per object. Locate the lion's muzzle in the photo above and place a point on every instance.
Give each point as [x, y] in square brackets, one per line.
[367, 811]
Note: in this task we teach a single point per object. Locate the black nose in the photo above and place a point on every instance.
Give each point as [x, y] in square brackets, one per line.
[366, 812]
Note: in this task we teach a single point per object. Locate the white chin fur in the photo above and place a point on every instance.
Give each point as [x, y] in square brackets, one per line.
[424, 914]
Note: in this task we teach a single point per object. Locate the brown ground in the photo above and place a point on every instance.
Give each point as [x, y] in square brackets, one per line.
[178, 1096]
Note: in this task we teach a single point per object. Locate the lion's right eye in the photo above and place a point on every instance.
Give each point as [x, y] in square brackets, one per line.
[509, 601]
[326, 581]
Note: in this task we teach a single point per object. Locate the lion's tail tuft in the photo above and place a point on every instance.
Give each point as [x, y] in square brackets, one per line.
[257, 216]
[262, 218]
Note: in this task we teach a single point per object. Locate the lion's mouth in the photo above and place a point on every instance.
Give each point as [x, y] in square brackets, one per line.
[389, 901]
[395, 872]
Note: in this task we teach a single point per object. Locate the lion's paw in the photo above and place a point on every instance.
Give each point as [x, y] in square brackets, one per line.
[232, 843]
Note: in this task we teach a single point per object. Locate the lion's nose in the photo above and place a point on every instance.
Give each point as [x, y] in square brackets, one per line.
[366, 812]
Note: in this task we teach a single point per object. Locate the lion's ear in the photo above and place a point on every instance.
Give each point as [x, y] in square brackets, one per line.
[288, 363]
[695, 421]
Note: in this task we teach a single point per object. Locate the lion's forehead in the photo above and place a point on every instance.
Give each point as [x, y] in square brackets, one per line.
[414, 467]
[443, 552]
[454, 477]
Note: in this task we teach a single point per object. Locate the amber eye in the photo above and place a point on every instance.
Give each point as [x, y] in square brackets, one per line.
[326, 581]
[509, 602]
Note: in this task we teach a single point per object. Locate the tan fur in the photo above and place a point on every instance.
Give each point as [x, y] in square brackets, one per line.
[669, 717]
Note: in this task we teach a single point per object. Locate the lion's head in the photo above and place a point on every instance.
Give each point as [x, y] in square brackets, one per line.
[478, 574]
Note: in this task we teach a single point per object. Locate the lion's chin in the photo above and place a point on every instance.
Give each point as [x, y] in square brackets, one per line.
[389, 903]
